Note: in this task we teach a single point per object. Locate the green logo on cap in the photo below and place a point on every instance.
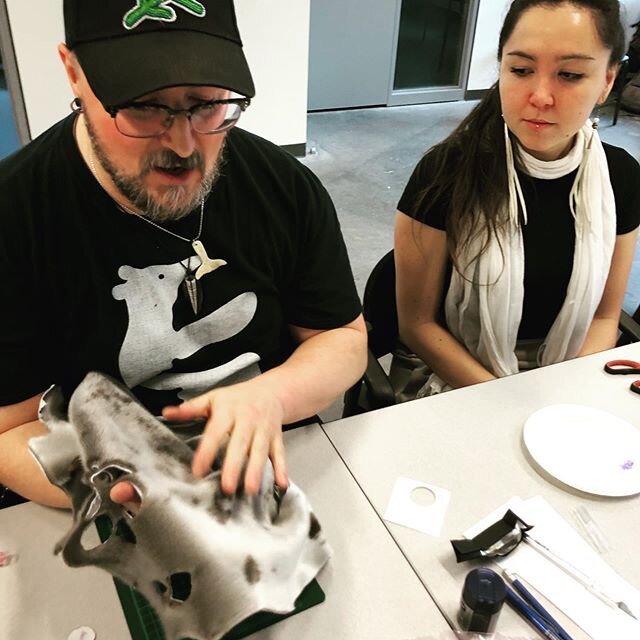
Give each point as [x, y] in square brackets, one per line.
[160, 10]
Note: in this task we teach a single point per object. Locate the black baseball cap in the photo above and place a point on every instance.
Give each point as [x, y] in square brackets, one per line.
[128, 48]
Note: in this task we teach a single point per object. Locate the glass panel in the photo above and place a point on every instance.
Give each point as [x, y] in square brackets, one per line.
[430, 43]
[9, 141]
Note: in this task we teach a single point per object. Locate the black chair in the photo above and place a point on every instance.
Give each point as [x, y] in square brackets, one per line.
[374, 389]
[9, 499]
[629, 327]
[618, 85]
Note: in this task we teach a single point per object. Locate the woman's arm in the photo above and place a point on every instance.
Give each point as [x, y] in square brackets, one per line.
[421, 258]
[603, 332]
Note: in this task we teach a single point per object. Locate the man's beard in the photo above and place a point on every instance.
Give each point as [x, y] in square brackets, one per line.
[174, 203]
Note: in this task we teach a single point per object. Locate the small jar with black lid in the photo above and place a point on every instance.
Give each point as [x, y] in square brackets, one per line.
[482, 597]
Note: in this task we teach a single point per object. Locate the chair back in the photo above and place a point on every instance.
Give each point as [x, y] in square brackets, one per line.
[629, 327]
[379, 306]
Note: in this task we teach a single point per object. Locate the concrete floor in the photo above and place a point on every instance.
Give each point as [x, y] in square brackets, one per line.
[364, 158]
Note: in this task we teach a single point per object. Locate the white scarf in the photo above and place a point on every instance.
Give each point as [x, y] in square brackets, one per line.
[486, 318]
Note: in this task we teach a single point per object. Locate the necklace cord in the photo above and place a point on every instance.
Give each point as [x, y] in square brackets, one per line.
[125, 209]
[189, 287]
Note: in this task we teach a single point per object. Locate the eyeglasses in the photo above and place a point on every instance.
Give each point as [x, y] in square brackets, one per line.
[149, 120]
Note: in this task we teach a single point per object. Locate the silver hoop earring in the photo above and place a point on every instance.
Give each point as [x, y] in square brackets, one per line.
[76, 105]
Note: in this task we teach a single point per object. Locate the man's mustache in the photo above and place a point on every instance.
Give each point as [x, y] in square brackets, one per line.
[168, 159]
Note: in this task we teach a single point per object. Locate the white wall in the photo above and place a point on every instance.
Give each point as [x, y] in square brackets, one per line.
[36, 29]
[276, 39]
[631, 15]
[483, 71]
[275, 34]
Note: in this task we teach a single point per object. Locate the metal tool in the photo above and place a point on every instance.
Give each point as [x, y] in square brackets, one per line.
[578, 575]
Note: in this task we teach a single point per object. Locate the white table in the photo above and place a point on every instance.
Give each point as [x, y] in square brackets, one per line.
[40, 597]
[469, 441]
[372, 593]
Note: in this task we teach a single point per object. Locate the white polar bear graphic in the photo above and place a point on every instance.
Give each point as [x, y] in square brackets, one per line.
[151, 343]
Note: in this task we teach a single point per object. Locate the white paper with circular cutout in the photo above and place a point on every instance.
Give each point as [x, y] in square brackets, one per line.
[586, 448]
[404, 510]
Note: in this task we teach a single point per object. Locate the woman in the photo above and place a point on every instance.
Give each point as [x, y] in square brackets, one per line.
[515, 236]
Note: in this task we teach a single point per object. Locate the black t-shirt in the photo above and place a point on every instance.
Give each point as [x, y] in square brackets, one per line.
[548, 236]
[88, 287]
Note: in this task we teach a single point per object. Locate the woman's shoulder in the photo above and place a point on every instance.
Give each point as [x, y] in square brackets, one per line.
[438, 158]
[624, 172]
[621, 163]
[438, 164]
[427, 178]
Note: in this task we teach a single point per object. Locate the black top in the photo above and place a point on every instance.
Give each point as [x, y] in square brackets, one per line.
[548, 236]
[87, 287]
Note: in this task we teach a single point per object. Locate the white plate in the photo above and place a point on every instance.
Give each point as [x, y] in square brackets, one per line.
[586, 448]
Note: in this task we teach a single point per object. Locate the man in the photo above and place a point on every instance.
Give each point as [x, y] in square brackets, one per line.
[145, 237]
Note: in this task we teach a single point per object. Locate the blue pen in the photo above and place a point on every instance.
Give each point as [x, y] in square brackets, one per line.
[530, 615]
[533, 602]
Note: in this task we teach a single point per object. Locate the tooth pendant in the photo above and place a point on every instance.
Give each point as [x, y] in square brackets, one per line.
[208, 265]
[192, 291]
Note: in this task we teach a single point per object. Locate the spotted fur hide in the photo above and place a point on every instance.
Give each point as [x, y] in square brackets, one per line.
[205, 561]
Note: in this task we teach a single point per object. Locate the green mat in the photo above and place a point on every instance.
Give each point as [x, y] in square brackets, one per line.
[144, 623]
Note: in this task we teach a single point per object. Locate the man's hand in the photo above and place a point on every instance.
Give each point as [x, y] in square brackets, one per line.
[125, 494]
[250, 414]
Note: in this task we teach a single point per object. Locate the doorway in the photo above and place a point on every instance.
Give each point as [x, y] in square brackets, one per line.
[350, 53]
[432, 51]
[388, 52]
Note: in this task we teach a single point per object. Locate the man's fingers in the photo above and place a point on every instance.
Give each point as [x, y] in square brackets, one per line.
[255, 466]
[214, 433]
[253, 427]
[236, 454]
[123, 492]
[278, 460]
[195, 408]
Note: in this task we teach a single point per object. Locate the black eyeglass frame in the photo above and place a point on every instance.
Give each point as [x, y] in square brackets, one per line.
[243, 103]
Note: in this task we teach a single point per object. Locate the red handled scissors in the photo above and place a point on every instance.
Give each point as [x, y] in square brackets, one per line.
[625, 367]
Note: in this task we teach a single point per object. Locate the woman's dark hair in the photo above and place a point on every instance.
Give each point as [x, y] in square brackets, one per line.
[606, 15]
[468, 169]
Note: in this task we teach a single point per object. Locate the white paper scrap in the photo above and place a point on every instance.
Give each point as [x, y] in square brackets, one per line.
[403, 510]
